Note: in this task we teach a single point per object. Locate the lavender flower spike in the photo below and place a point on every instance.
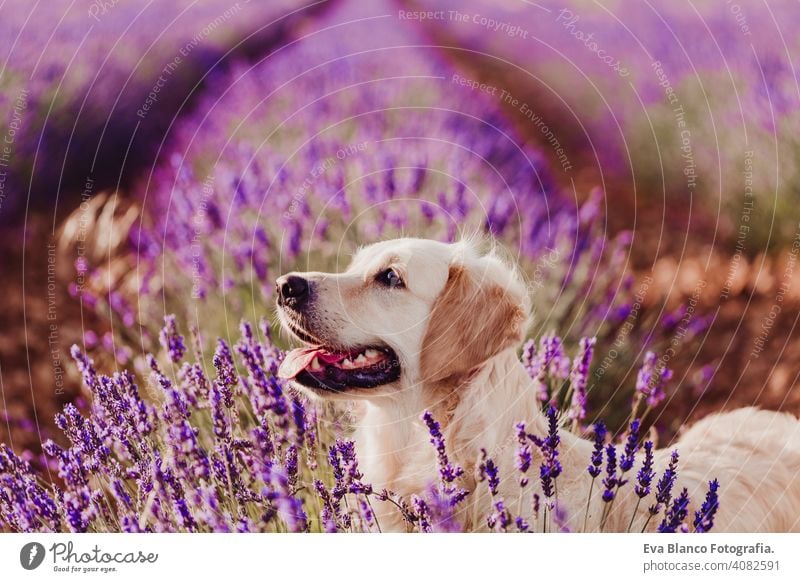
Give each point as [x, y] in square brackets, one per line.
[550, 468]
[223, 363]
[423, 514]
[600, 430]
[677, 514]
[651, 378]
[665, 484]
[553, 359]
[500, 518]
[610, 481]
[631, 446]
[447, 470]
[704, 518]
[171, 340]
[595, 465]
[524, 456]
[644, 478]
[664, 489]
[489, 473]
[578, 378]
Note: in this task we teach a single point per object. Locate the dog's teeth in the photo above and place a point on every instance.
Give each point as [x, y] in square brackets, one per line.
[370, 353]
[347, 363]
[315, 365]
[361, 359]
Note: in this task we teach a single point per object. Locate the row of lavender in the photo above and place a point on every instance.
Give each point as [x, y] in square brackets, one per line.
[238, 451]
[688, 104]
[84, 82]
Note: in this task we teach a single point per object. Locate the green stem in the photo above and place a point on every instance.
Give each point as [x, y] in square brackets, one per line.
[633, 516]
[374, 515]
[606, 513]
[645, 413]
[646, 523]
[588, 501]
[635, 408]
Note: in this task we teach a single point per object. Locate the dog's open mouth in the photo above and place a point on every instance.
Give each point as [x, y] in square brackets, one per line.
[337, 370]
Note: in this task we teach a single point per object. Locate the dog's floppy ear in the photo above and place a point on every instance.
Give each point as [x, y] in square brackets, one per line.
[472, 320]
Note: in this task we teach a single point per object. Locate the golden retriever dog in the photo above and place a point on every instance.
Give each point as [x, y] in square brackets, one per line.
[415, 325]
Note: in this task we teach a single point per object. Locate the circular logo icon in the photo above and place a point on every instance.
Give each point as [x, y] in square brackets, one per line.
[31, 555]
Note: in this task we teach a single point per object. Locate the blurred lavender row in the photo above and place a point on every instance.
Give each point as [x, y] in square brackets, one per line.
[354, 133]
[88, 88]
[693, 106]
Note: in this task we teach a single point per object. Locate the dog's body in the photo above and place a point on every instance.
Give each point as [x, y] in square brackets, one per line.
[416, 325]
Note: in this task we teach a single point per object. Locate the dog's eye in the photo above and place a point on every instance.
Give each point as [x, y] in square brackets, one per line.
[389, 278]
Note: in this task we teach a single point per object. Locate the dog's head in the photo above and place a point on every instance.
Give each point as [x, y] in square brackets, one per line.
[406, 314]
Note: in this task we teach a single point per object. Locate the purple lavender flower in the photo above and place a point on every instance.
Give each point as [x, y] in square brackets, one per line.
[423, 514]
[171, 490]
[546, 480]
[676, 514]
[300, 419]
[220, 415]
[264, 389]
[171, 340]
[195, 383]
[631, 446]
[651, 378]
[550, 468]
[24, 503]
[610, 481]
[85, 367]
[552, 440]
[704, 518]
[489, 473]
[595, 465]
[644, 478]
[329, 513]
[441, 512]
[529, 359]
[578, 378]
[279, 493]
[348, 478]
[665, 484]
[524, 456]
[560, 518]
[223, 363]
[553, 358]
[175, 406]
[448, 472]
[190, 459]
[600, 431]
[499, 519]
[366, 512]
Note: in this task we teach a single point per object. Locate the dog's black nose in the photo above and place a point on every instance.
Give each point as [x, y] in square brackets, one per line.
[292, 291]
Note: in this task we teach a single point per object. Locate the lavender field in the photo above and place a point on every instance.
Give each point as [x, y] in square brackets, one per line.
[164, 164]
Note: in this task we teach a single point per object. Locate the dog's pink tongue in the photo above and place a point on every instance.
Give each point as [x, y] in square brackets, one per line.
[298, 360]
[295, 362]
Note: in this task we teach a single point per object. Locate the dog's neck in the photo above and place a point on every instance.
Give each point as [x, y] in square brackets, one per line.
[478, 413]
